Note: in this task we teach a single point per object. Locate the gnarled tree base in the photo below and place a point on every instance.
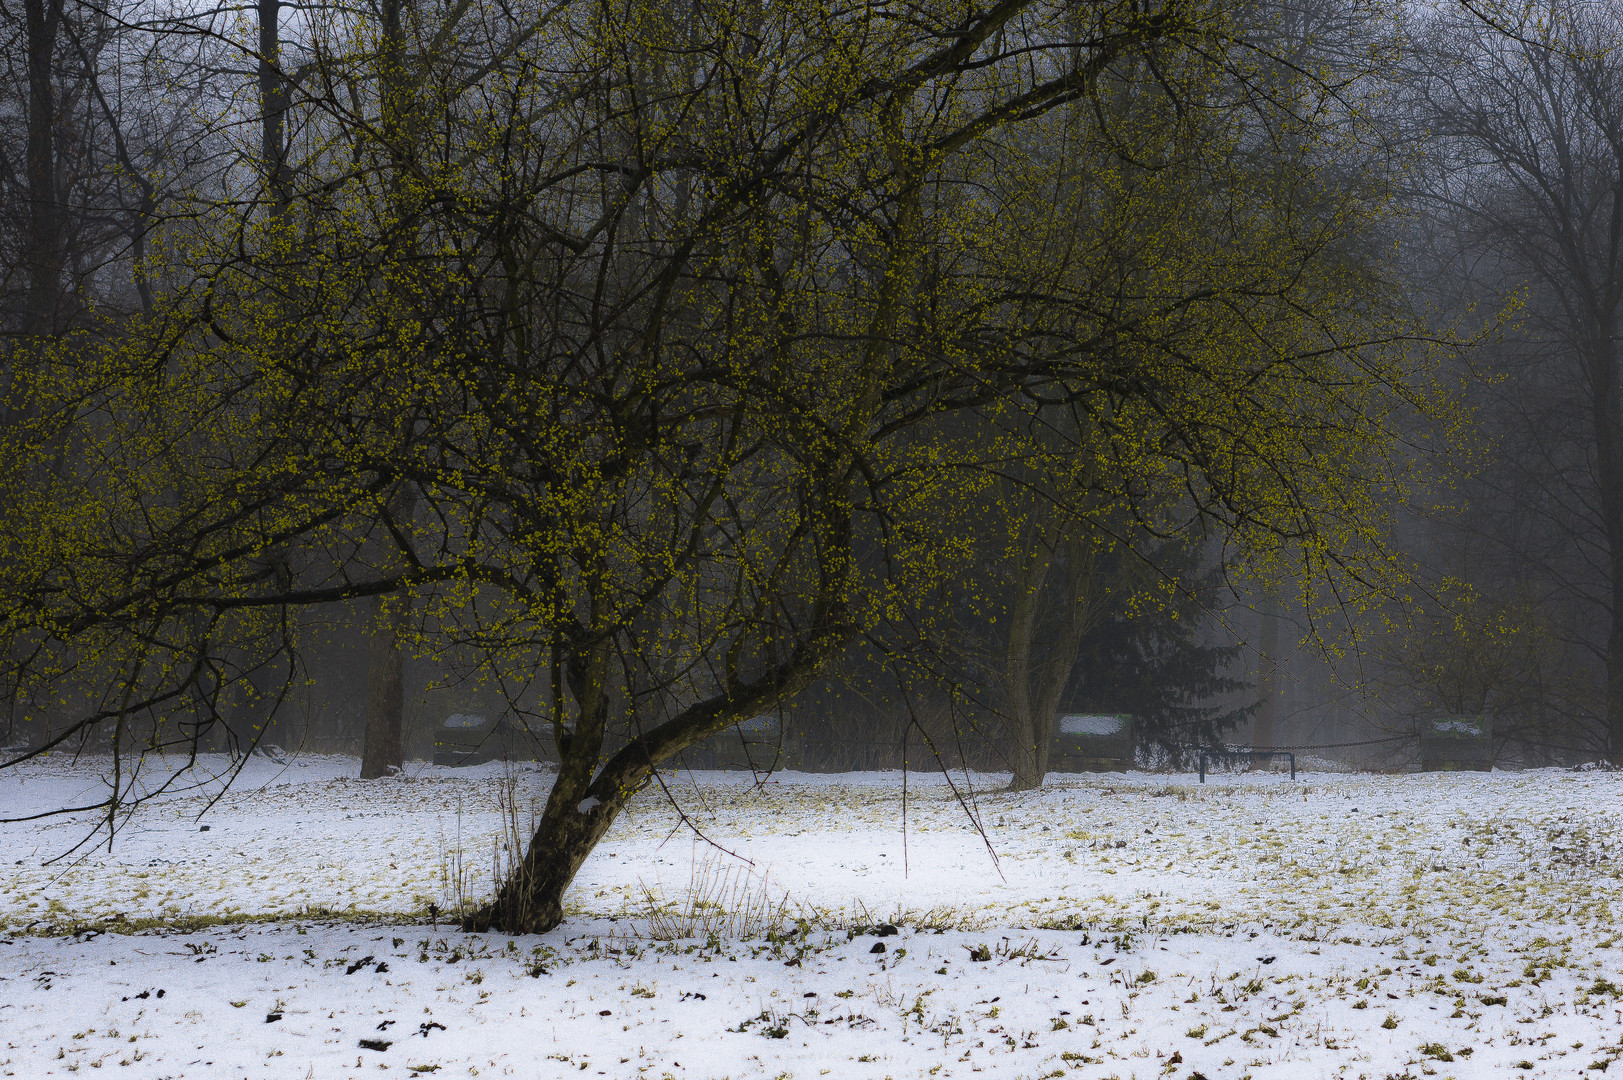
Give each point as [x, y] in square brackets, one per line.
[509, 916]
[1025, 783]
[531, 900]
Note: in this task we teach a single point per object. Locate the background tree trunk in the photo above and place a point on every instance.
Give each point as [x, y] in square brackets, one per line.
[1527, 127]
[382, 753]
[1264, 725]
[273, 103]
[1607, 416]
[43, 259]
[1045, 680]
[1028, 754]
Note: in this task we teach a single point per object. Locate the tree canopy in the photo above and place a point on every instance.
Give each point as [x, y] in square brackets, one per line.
[698, 337]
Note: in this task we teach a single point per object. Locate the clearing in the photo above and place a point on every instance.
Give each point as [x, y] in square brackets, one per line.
[1128, 926]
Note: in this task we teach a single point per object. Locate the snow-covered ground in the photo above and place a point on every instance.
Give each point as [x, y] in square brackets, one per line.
[1106, 926]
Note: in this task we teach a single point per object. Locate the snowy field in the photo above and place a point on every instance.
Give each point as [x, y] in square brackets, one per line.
[1107, 926]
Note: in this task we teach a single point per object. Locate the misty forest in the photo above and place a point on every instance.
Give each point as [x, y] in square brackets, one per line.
[723, 538]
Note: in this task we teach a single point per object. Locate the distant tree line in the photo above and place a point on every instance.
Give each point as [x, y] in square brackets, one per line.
[1515, 111]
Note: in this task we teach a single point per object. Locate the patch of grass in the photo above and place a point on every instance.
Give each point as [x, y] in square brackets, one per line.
[192, 923]
[721, 902]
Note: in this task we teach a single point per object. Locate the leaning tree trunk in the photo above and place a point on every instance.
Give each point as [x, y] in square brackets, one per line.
[581, 807]
[586, 797]
[531, 900]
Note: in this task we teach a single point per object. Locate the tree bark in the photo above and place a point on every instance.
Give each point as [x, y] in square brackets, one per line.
[1043, 682]
[531, 900]
[585, 799]
[1028, 757]
[381, 753]
[43, 258]
[1607, 416]
[1264, 724]
[1544, 111]
[273, 103]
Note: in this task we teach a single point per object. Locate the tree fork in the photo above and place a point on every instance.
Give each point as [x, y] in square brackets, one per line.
[581, 808]
[530, 901]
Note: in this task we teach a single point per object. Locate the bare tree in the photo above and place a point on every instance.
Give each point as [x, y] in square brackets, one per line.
[1525, 127]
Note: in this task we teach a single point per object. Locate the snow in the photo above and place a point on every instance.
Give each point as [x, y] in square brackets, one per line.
[1091, 725]
[1465, 729]
[1456, 925]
